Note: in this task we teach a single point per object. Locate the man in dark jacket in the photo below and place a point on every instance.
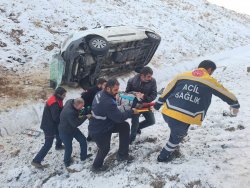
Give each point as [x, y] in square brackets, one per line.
[70, 119]
[144, 86]
[107, 119]
[186, 100]
[49, 125]
[89, 95]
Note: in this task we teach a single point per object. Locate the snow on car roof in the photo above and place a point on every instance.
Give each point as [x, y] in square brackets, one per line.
[114, 34]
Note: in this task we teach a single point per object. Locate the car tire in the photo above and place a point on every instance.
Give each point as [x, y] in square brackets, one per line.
[153, 36]
[73, 84]
[98, 45]
[138, 69]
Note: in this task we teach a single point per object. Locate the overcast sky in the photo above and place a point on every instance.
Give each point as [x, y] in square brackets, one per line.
[241, 6]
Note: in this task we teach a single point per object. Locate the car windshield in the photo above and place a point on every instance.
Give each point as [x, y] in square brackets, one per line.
[56, 70]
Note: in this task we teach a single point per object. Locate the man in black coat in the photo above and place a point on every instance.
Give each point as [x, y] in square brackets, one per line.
[89, 95]
[49, 125]
[107, 119]
[70, 119]
[145, 89]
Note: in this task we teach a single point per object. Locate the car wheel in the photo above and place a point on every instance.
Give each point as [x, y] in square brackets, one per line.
[98, 45]
[138, 69]
[153, 36]
[73, 84]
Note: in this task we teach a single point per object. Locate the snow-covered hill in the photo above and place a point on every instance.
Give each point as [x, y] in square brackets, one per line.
[31, 31]
[213, 155]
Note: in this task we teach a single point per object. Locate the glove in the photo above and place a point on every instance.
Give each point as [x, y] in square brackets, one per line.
[157, 106]
[135, 111]
[85, 111]
[234, 111]
[139, 96]
[89, 116]
[81, 112]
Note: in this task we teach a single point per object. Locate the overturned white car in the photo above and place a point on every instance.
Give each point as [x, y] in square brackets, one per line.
[102, 52]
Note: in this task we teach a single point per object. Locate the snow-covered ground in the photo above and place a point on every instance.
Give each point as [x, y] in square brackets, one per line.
[241, 6]
[31, 31]
[214, 155]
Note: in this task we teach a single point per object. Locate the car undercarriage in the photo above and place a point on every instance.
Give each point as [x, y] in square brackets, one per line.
[92, 56]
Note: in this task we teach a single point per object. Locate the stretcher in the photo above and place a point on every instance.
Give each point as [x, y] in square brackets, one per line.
[145, 107]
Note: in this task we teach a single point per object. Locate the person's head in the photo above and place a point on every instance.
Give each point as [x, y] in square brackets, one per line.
[101, 83]
[112, 86]
[146, 74]
[60, 93]
[209, 65]
[78, 103]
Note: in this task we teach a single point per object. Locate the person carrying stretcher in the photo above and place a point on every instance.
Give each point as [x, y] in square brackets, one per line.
[143, 86]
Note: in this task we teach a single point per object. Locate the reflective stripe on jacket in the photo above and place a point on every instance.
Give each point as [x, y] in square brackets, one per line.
[106, 114]
[188, 96]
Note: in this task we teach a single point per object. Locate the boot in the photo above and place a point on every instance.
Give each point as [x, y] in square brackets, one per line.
[131, 140]
[128, 158]
[89, 138]
[39, 165]
[99, 169]
[59, 147]
[88, 156]
[69, 163]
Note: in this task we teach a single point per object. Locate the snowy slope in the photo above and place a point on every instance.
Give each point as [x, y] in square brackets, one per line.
[240, 6]
[213, 155]
[31, 31]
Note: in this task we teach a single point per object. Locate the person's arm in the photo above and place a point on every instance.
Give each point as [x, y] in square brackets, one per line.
[225, 95]
[115, 114]
[165, 94]
[153, 93]
[83, 95]
[129, 87]
[87, 95]
[55, 112]
[74, 120]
